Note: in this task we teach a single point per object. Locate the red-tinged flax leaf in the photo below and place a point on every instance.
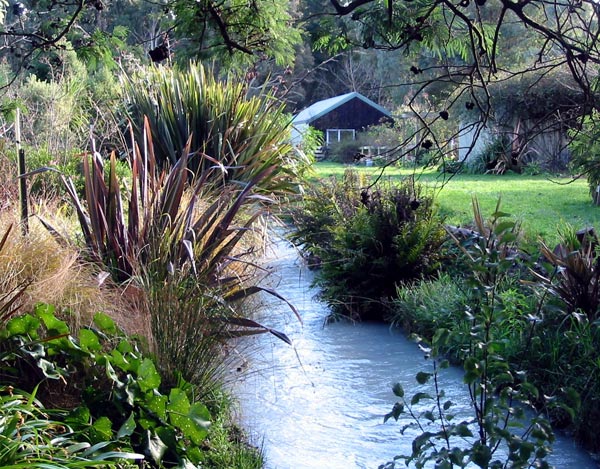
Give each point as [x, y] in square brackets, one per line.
[248, 291]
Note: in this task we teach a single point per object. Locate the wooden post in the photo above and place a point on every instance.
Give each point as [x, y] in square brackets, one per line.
[22, 180]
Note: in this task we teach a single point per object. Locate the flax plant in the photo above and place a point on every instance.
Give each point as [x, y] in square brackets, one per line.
[243, 135]
[180, 241]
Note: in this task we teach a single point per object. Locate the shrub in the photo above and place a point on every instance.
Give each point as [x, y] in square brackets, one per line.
[177, 246]
[344, 151]
[569, 337]
[379, 237]
[498, 390]
[584, 151]
[572, 272]
[33, 436]
[324, 204]
[495, 157]
[563, 361]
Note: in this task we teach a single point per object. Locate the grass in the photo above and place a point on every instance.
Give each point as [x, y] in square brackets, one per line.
[54, 274]
[542, 203]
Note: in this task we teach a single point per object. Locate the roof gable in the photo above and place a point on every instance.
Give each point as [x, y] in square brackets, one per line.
[320, 108]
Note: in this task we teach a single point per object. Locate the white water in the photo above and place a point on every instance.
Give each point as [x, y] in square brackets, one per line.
[321, 403]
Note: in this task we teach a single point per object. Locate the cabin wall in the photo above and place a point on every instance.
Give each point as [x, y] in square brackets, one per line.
[355, 114]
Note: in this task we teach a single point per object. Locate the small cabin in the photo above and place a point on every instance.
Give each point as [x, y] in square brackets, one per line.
[339, 118]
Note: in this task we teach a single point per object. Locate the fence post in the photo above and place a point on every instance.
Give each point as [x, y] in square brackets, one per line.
[22, 180]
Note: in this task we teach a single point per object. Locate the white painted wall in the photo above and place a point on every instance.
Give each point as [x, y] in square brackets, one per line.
[472, 139]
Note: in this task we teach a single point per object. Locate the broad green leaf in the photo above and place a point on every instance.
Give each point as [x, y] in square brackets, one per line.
[503, 378]
[398, 390]
[127, 428]
[105, 323]
[155, 447]
[25, 325]
[119, 361]
[186, 417]
[422, 377]
[53, 324]
[397, 410]
[148, 377]
[79, 416]
[200, 415]
[101, 430]
[125, 347]
[178, 402]
[509, 237]
[503, 226]
[419, 397]
[481, 455]
[463, 430]
[89, 340]
[472, 366]
[49, 369]
[157, 404]
[500, 214]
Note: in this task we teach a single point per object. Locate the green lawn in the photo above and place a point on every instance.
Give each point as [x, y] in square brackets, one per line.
[540, 202]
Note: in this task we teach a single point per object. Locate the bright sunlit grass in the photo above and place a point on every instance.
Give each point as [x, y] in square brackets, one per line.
[542, 203]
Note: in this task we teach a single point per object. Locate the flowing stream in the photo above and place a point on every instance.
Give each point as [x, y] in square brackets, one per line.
[320, 404]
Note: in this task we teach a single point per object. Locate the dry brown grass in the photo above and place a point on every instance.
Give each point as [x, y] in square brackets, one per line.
[58, 276]
[8, 182]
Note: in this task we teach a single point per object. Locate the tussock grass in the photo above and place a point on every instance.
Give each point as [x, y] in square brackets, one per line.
[56, 275]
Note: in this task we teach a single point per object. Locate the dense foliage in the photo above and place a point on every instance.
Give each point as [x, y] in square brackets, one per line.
[216, 122]
[174, 250]
[536, 320]
[116, 406]
[584, 159]
[368, 240]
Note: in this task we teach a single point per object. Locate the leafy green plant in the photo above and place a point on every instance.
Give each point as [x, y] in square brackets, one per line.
[569, 338]
[428, 305]
[312, 142]
[180, 242]
[121, 399]
[157, 222]
[498, 432]
[324, 203]
[33, 436]
[572, 272]
[583, 146]
[218, 124]
[494, 158]
[500, 435]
